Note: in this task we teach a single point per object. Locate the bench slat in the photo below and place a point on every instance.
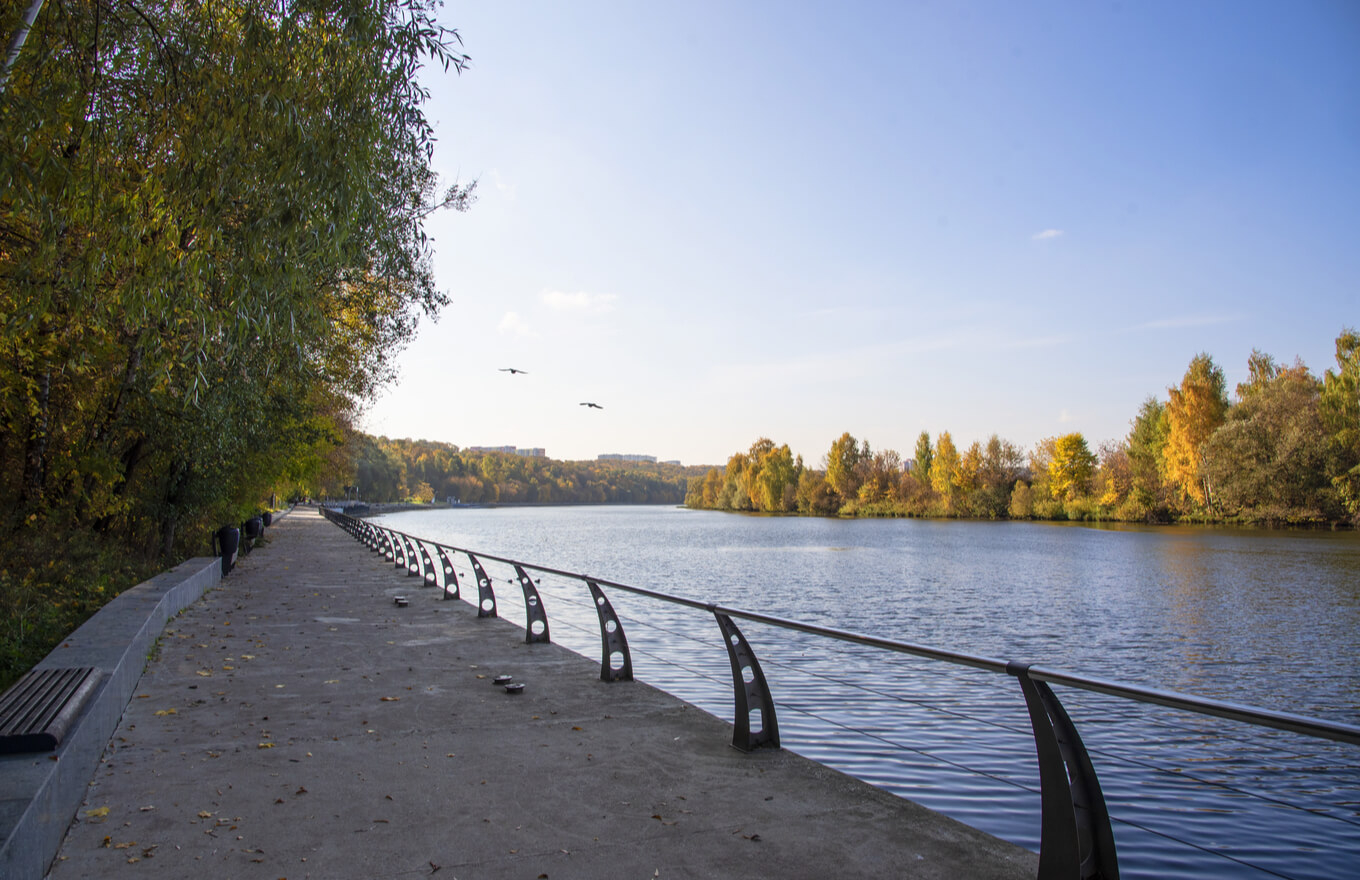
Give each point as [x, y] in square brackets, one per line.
[38, 710]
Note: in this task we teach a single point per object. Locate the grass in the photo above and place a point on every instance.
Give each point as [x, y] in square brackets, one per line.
[51, 583]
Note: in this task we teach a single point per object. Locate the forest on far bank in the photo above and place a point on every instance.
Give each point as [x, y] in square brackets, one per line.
[383, 469]
[1284, 450]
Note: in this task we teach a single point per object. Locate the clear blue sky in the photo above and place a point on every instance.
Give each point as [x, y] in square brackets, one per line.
[727, 221]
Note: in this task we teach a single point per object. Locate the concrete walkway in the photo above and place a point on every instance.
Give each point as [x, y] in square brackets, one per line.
[295, 723]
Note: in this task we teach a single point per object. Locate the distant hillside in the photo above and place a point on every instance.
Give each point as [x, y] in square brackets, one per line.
[383, 469]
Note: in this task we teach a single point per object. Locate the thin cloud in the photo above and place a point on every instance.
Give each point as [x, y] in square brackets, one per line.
[580, 301]
[1046, 235]
[513, 325]
[1037, 342]
[1186, 321]
[509, 189]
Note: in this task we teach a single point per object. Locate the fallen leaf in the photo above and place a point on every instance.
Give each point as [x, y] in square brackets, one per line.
[265, 746]
[107, 841]
[129, 845]
[389, 699]
[97, 812]
[204, 672]
[165, 712]
[204, 814]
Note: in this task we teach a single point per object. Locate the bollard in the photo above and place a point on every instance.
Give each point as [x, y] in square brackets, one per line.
[225, 542]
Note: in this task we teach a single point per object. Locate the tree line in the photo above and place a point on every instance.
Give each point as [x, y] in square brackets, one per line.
[1284, 450]
[211, 247]
[383, 469]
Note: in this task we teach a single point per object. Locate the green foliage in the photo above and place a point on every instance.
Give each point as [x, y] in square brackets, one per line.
[925, 455]
[1147, 497]
[1339, 406]
[1269, 459]
[50, 583]
[211, 247]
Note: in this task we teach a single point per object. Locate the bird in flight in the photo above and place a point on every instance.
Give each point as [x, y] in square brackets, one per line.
[591, 405]
[512, 371]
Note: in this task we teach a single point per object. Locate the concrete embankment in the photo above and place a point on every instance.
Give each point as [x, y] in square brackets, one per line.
[297, 723]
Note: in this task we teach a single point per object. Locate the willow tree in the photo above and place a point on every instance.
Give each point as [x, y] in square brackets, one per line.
[210, 249]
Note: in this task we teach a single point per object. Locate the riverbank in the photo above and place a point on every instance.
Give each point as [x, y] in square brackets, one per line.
[298, 723]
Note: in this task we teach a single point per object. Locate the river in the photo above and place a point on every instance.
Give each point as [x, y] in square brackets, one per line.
[1266, 618]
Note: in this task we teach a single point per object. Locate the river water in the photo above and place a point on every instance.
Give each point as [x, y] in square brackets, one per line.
[1270, 619]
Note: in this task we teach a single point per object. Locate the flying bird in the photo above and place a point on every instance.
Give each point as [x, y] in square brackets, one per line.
[591, 405]
[512, 371]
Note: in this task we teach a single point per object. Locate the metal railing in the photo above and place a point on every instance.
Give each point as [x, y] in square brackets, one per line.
[1076, 839]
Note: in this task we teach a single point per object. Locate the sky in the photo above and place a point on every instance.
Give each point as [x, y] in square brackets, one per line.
[723, 221]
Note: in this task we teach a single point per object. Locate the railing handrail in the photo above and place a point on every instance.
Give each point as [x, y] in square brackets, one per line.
[1302, 724]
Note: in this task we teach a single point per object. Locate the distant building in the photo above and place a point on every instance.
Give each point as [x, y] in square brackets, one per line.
[532, 452]
[674, 461]
[614, 456]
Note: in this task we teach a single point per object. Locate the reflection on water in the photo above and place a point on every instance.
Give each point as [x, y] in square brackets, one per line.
[1266, 618]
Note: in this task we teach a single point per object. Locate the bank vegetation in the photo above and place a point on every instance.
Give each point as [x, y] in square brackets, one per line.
[1285, 449]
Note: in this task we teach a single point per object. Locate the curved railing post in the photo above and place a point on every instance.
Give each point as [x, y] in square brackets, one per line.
[1075, 838]
[412, 557]
[536, 617]
[613, 643]
[398, 550]
[486, 596]
[427, 574]
[750, 692]
[450, 575]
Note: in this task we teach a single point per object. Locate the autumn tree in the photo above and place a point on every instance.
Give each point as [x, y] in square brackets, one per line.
[1071, 468]
[1000, 466]
[1147, 495]
[944, 469]
[1195, 410]
[1268, 460]
[1114, 475]
[777, 480]
[842, 466]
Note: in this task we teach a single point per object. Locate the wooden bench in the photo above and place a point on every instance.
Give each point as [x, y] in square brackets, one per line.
[40, 708]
